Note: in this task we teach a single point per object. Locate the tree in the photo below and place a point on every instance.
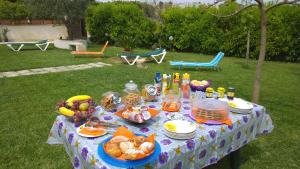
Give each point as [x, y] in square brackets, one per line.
[70, 11]
[264, 8]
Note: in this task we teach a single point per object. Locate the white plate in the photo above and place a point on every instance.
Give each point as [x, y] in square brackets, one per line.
[181, 126]
[179, 136]
[242, 106]
[85, 135]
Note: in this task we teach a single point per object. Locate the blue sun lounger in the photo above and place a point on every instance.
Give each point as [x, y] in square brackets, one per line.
[212, 64]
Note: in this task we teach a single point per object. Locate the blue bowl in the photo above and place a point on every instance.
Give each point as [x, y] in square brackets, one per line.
[127, 163]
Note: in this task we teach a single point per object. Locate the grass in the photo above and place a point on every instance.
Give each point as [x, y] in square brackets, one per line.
[27, 103]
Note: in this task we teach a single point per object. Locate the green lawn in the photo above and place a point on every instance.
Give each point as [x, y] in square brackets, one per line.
[28, 102]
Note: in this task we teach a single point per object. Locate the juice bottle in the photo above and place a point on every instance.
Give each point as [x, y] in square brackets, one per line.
[157, 83]
[166, 82]
[175, 85]
[185, 86]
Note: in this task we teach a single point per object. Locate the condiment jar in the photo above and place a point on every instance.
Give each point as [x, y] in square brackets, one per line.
[209, 92]
[230, 93]
[221, 91]
[149, 93]
[110, 100]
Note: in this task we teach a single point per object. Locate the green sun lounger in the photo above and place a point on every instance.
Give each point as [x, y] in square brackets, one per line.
[212, 64]
[17, 46]
[152, 54]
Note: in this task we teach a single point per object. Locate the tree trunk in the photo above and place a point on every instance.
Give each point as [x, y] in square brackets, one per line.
[73, 29]
[248, 47]
[262, 53]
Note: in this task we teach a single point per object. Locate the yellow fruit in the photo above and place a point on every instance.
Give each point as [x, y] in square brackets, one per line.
[84, 106]
[66, 112]
[170, 126]
[75, 98]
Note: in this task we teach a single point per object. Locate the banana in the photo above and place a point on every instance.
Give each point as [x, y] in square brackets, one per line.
[66, 112]
[79, 97]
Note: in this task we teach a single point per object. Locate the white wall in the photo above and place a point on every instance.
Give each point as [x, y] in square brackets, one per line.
[35, 32]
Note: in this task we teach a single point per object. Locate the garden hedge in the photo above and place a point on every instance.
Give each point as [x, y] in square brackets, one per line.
[194, 29]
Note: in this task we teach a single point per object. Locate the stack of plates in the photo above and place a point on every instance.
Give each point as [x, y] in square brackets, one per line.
[238, 105]
[180, 129]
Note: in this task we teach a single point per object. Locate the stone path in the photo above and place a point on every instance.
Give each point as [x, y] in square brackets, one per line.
[51, 69]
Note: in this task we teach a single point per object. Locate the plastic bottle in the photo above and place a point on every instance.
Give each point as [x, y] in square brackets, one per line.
[185, 86]
[157, 83]
[175, 85]
[166, 84]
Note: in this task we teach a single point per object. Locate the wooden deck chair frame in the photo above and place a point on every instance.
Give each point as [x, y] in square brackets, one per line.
[91, 53]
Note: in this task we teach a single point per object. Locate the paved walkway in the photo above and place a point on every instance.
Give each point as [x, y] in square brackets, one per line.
[51, 69]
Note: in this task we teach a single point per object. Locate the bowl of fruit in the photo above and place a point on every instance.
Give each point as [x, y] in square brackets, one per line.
[199, 85]
[77, 109]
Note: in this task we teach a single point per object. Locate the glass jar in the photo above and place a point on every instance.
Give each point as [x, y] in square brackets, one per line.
[131, 96]
[230, 93]
[209, 92]
[110, 100]
[149, 93]
[221, 92]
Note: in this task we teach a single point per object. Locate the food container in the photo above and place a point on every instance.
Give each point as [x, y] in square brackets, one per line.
[221, 92]
[149, 93]
[209, 92]
[211, 111]
[199, 85]
[110, 100]
[171, 103]
[230, 93]
[131, 96]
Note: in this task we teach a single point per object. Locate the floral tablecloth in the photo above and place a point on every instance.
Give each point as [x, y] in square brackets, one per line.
[210, 144]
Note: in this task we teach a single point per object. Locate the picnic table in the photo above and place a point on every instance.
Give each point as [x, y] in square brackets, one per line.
[212, 142]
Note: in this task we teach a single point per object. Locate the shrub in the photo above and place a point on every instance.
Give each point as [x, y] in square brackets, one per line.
[123, 23]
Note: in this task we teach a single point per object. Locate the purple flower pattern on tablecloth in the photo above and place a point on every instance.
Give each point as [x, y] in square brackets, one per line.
[238, 136]
[144, 129]
[245, 142]
[186, 102]
[178, 165]
[245, 119]
[222, 143]
[84, 153]
[163, 157]
[186, 108]
[70, 138]
[257, 113]
[113, 110]
[60, 125]
[107, 117]
[230, 127]
[103, 167]
[152, 106]
[213, 160]
[166, 141]
[212, 134]
[76, 162]
[190, 144]
[202, 154]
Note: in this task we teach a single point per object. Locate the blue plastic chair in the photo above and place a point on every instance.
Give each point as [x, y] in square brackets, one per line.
[212, 64]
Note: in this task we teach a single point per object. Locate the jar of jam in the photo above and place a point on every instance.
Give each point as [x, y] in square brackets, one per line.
[230, 93]
[209, 92]
[221, 91]
[149, 93]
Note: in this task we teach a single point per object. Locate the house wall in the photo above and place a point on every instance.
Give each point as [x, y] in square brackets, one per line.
[35, 32]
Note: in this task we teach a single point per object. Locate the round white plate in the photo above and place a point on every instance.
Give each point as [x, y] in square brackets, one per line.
[182, 126]
[242, 106]
[85, 135]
